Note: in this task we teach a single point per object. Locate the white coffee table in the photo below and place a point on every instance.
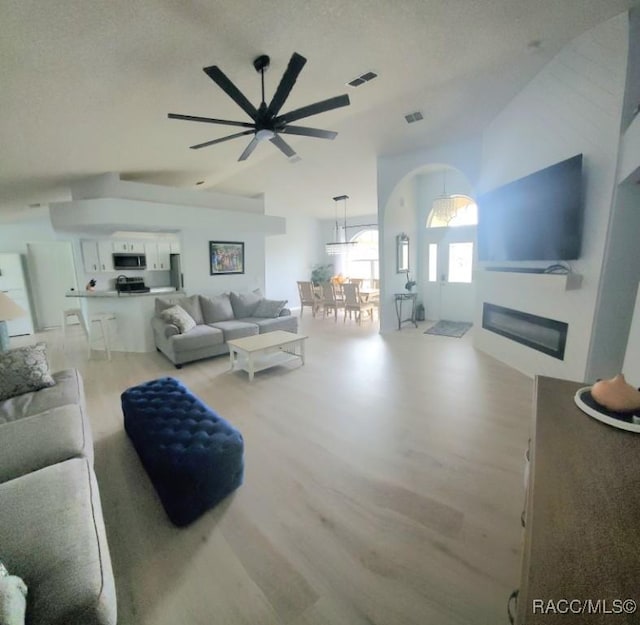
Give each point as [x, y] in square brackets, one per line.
[259, 352]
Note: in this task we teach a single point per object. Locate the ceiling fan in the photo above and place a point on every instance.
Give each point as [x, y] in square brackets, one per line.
[267, 124]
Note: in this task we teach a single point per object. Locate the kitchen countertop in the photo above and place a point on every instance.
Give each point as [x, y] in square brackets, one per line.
[154, 291]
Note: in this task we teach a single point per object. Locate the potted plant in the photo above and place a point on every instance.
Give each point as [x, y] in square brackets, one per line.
[410, 283]
[321, 273]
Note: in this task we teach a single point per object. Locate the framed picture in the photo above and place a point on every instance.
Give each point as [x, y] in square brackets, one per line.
[226, 257]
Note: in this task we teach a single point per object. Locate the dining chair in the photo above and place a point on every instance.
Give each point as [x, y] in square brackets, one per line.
[354, 303]
[308, 297]
[329, 300]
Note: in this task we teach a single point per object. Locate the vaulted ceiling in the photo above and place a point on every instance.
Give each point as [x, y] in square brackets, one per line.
[85, 87]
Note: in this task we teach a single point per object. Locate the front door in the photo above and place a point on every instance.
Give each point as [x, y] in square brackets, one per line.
[449, 289]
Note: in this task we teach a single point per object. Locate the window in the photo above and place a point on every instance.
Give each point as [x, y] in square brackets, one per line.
[460, 262]
[433, 262]
[362, 261]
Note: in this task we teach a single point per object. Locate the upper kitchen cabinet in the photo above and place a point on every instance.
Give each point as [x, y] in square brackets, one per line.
[157, 253]
[175, 247]
[97, 255]
[137, 247]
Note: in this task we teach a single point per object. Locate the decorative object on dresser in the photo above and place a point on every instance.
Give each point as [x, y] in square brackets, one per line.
[8, 310]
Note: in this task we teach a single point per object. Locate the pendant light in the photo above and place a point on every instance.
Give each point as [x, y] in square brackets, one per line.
[340, 247]
[445, 207]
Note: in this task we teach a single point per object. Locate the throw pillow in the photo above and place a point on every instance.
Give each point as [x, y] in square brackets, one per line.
[245, 304]
[23, 370]
[270, 308]
[216, 308]
[190, 304]
[13, 598]
[179, 317]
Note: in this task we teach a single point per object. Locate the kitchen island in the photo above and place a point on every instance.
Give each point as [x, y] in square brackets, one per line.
[131, 329]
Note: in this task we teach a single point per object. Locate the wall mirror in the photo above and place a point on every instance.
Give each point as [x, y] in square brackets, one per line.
[402, 253]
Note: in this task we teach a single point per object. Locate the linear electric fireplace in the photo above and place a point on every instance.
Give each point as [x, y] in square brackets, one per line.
[546, 335]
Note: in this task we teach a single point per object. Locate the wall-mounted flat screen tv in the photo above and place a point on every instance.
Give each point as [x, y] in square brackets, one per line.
[538, 217]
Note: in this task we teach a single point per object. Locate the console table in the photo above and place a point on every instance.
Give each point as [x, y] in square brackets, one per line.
[582, 515]
[400, 299]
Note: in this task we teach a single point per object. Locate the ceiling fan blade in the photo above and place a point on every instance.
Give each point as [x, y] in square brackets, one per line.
[214, 141]
[249, 149]
[309, 132]
[296, 63]
[283, 146]
[313, 109]
[220, 78]
[209, 120]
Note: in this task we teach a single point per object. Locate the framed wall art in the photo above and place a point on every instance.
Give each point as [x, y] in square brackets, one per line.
[226, 257]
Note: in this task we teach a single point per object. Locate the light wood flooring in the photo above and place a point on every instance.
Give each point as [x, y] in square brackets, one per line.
[383, 485]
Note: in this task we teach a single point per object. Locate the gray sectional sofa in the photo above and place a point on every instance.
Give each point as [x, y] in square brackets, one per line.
[217, 319]
[52, 532]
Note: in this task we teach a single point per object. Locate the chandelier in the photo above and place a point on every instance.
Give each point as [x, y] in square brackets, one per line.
[445, 207]
[340, 247]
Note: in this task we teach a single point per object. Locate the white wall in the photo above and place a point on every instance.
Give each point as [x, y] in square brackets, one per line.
[631, 367]
[573, 106]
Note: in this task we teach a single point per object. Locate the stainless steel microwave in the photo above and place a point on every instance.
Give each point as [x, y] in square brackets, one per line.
[124, 260]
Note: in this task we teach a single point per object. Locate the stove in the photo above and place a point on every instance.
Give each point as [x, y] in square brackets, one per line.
[131, 285]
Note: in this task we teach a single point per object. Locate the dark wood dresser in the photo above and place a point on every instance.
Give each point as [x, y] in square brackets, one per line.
[582, 532]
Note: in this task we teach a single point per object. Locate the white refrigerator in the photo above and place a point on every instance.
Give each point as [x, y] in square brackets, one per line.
[13, 284]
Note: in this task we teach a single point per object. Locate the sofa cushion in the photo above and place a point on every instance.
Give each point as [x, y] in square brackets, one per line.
[179, 317]
[43, 439]
[245, 304]
[190, 304]
[217, 308]
[53, 537]
[235, 329]
[269, 308]
[287, 323]
[67, 390]
[200, 337]
[23, 370]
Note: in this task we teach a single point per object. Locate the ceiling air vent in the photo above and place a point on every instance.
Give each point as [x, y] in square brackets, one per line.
[360, 80]
[413, 117]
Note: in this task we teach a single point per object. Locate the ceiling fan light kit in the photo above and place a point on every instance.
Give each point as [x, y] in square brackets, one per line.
[267, 124]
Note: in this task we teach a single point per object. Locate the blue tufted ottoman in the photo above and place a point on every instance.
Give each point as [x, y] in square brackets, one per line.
[193, 456]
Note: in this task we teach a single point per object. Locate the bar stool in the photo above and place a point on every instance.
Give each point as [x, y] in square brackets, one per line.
[102, 320]
[68, 313]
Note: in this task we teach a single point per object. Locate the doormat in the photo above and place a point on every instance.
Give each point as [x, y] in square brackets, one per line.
[449, 328]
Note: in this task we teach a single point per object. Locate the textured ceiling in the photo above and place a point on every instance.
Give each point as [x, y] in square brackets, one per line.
[86, 87]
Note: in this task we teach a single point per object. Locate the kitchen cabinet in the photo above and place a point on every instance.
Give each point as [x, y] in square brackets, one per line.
[164, 253]
[90, 258]
[158, 254]
[151, 252]
[174, 247]
[137, 247]
[97, 256]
